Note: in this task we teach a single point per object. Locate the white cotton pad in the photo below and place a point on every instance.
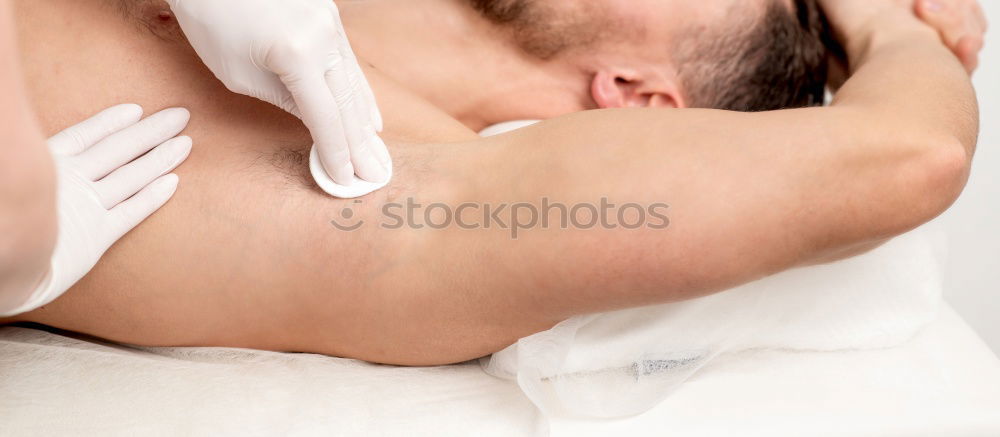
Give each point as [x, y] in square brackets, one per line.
[505, 127]
[357, 188]
[361, 187]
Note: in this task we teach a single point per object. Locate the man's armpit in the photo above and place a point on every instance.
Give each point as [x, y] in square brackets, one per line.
[286, 165]
[411, 167]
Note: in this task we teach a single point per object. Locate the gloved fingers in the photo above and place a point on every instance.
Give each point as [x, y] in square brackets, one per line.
[320, 114]
[286, 101]
[122, 147]
[270, 88]
[381, 152]
[128, 214]
[369, 108]
[376, 115]
[128, 180]
[361, 136]
[82, 136]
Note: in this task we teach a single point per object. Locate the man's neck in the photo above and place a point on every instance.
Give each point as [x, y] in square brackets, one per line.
[446, 52]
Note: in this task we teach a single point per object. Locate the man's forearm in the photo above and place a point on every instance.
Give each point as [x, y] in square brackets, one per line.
[749, 194]
[904, 75]
[908, 88]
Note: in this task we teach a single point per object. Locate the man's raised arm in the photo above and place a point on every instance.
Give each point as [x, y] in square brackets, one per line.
[749, 194]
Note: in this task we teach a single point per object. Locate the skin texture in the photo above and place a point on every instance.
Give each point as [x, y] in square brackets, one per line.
[245, 256]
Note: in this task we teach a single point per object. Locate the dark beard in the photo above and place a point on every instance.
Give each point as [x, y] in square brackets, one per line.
[537, 28]
[500, 11]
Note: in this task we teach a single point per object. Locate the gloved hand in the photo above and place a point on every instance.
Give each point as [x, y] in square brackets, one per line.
[295, 54]
[104, 190]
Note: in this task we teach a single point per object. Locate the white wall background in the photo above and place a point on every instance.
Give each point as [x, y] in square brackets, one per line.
[973, 275]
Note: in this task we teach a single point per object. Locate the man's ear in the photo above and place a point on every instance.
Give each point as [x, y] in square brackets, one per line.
[622, 89]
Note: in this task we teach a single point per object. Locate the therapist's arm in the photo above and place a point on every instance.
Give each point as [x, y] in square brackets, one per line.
[27, 180]
[86, 187]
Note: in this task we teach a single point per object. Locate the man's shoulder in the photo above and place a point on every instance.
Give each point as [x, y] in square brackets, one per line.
[411, 118]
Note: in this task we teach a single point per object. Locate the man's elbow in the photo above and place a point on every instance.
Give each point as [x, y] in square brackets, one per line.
[928, 185]
[946, 165]
[949, 157]
[913, 184]
[933, 180]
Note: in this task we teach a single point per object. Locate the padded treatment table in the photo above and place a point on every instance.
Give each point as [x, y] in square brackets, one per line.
[944, 382]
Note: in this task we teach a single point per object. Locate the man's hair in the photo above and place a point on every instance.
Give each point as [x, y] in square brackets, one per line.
[774, 59]
[779, 61]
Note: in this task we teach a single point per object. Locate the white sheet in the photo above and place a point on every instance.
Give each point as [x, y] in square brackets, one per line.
[52, 385]
[623, 363]
[944, 382]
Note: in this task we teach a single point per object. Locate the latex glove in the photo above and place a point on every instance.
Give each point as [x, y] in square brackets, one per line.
[295, 54]
[104, 190]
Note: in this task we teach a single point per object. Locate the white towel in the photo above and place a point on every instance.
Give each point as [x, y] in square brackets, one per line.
[625, 362]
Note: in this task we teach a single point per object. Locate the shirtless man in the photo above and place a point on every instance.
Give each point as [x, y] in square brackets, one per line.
[247, 257]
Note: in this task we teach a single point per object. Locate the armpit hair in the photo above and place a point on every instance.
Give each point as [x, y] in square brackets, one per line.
[292, 165]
